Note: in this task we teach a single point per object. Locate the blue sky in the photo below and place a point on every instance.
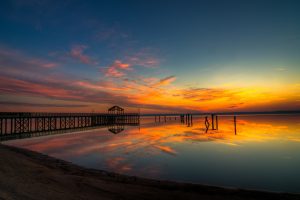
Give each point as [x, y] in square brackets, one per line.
[147, 50]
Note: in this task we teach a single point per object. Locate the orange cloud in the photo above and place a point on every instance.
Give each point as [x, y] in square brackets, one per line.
[115, 70]
[119, 64]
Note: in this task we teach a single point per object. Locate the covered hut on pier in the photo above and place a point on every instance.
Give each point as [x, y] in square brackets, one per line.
[116, 110]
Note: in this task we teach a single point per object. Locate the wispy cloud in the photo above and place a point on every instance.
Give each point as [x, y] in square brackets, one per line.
[117, 69]
[26, 87]
[67, 90]
[42, 63]
[101, 85]
[206, 94]
[12, 59]
[145, 57]
[77, 53]
[141, 59]
[110, 33]
[165, 81]
[41, 104]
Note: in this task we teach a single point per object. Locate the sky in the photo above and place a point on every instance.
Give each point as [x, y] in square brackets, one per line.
[155, 56]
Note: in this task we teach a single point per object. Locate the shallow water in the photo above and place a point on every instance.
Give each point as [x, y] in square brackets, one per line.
[263, 154]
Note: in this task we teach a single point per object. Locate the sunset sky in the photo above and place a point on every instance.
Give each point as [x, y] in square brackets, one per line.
[156, 55]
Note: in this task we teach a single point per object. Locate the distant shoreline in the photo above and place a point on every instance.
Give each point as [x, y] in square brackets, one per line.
[30, 175]
[171, 114]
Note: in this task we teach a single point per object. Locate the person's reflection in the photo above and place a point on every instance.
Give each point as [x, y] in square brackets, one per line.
[206, 124]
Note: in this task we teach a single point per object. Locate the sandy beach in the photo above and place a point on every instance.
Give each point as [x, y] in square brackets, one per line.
[30, 175]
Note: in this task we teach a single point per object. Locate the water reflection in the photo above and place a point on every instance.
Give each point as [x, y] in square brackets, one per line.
[207, 124]
[263, 152]
[116, 128]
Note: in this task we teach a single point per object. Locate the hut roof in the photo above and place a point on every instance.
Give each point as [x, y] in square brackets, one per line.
[114, 108]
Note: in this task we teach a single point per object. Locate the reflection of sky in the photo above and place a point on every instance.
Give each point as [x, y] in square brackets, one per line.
[263, 155]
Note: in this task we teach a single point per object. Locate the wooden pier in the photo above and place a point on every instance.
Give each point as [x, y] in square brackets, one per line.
[12, 124]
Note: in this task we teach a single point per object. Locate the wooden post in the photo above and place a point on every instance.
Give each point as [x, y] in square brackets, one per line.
[11, 120]
[0, 126]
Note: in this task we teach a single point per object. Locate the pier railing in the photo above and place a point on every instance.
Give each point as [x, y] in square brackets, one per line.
[25, 123]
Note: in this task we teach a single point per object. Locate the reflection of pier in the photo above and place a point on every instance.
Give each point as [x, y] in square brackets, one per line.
[22, 124]
[116, 128]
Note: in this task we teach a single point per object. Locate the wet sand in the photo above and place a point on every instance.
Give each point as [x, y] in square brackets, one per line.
[26, 174]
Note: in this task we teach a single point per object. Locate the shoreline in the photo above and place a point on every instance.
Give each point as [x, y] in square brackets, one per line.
[27, 174]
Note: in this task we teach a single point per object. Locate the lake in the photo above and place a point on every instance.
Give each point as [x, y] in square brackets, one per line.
[263, 154]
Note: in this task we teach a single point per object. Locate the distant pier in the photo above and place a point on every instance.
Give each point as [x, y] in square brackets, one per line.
[211, 120]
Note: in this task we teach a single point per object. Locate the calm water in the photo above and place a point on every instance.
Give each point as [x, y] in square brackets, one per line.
[264, 154]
